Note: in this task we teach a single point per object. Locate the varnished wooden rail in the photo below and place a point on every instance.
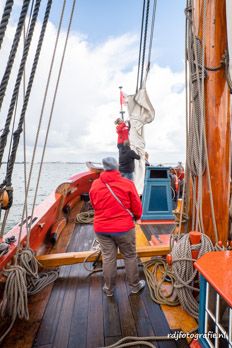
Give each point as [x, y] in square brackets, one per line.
[70, 258]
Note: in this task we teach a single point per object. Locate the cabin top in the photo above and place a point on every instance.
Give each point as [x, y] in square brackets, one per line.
[212, 266]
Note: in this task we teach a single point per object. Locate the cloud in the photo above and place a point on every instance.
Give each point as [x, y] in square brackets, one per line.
[88, 99]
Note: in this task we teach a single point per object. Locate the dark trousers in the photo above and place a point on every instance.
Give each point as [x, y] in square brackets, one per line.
[109, 246]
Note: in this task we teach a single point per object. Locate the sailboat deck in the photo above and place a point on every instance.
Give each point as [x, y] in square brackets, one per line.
[79, 314]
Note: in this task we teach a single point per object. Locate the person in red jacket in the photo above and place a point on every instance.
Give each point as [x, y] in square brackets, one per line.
[116, 205]
[122, 129]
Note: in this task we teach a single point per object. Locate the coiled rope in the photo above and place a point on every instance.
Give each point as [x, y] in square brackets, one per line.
[184, 271]
[157, 271]
[85, 217]
[181, 275]
[14, 302]
[5, 18]
[135, 341]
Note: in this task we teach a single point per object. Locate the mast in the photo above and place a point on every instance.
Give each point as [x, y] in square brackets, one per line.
[217, 115]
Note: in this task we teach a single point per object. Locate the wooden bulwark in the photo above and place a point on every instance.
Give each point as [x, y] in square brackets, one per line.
[70, 258]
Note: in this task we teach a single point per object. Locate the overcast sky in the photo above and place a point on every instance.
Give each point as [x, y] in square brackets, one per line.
[102, 54]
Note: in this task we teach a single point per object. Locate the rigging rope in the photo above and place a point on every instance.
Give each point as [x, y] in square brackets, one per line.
[33, 282]
[143, 42]
[4, 135]
[140, 46]
[197, 154]
[6, 212]
[52, 108]
[16, 135]
[13, 51]
[151, 35]
[41, 117]
[5, 18]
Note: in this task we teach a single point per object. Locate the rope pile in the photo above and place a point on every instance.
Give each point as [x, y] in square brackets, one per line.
[23, 279]
[181, 275]
[157, 271]
[85, 217]
[135, 341]
[185, 273]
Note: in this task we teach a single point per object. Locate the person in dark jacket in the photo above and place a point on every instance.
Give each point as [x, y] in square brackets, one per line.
[127, 160]
[114, 224]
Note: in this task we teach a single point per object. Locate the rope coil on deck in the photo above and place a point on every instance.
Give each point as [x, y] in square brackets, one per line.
[181, 275]
[184, 272]
[138, 341]
[85, 217]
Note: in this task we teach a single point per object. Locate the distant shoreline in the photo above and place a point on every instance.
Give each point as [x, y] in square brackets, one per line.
[56, 162]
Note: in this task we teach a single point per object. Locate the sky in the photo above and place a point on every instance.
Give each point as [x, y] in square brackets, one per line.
[102, 54]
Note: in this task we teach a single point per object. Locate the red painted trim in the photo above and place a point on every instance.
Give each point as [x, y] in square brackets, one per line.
[216, 269]
[46, 214]
[195, 344]
[156, 222]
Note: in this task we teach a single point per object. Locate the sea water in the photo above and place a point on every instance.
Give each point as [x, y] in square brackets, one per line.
[52, 175]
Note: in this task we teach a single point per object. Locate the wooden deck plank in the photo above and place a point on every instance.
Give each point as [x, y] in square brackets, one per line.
[95, 331]
[141, 318]
[79, 323]
[128, 327]
[112, 326]
[61, 304]
[112, 340]
[47, 328]
[158, 320]
[65, 314]
[78, 328]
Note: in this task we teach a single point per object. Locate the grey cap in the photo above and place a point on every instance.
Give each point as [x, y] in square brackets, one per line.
[110, 163]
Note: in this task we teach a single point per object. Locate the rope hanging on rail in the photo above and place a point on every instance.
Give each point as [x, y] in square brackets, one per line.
[5, 18]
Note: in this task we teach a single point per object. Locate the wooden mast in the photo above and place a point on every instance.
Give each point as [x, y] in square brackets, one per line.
[217, 115]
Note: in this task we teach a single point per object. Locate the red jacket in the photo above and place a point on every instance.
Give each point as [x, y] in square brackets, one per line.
[123, 132]
[110, 216]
